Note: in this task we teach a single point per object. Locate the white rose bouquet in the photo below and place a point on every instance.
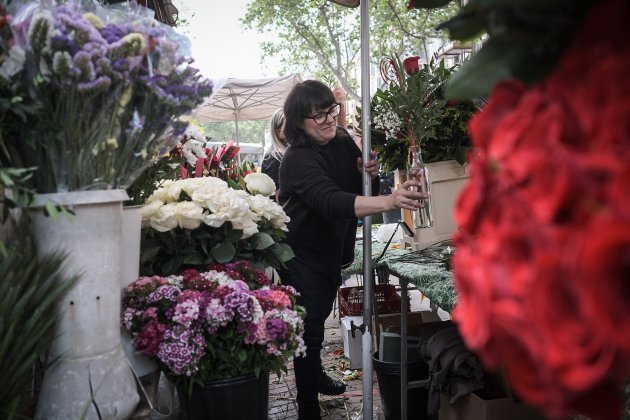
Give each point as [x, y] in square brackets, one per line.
[194, 222]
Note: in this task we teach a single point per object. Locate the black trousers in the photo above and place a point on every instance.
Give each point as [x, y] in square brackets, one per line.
[317, 294]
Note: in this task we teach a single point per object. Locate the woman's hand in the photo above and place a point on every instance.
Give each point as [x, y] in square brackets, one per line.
[371, 166]
[404, 198]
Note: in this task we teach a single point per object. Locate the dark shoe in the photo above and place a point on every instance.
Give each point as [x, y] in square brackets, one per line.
[329, 386]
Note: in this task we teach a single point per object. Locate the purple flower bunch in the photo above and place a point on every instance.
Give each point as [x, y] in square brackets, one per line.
[207, 326]
[108, 95]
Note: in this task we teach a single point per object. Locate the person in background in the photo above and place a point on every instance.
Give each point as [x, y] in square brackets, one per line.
[320, 190]
[277, 147]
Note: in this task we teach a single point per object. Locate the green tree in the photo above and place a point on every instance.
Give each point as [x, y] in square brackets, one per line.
[248, 131]
[323, 38]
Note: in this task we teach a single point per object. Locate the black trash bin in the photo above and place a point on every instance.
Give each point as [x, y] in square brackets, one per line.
[388, 378]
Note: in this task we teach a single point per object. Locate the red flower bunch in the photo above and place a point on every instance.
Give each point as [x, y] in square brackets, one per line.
[543, 255]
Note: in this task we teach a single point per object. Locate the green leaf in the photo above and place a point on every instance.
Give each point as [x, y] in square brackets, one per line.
[51, 210]
[194, 259]
[464, 27]
[234, 235]
[284, 252]
[478, 76]
[263, 240]
[224, 252]
[172, 265]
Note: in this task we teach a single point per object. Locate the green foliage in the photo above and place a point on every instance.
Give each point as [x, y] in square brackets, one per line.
[166, 253]
[152, 178]
[29, 288]
[321, 38]
[439, 126]
[526, 38]
[248, 131]
[14, 180]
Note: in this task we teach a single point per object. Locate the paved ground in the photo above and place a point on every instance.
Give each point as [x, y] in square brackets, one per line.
[346, 406]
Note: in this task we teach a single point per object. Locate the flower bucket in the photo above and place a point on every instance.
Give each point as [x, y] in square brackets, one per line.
[87, 344]
[242, 398]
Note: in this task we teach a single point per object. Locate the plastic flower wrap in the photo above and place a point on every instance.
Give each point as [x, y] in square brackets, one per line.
[108, 93]
[543, 255]
[207, 326]
[190, 223]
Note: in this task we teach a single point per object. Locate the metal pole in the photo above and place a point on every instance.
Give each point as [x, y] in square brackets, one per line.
[367, 221]
[403, 349]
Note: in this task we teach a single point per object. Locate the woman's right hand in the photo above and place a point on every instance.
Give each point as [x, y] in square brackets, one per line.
[407, 198]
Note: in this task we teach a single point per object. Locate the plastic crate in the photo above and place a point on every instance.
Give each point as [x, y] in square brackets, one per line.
[351, 300]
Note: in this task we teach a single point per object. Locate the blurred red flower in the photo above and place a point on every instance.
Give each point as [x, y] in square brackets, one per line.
[543, 254]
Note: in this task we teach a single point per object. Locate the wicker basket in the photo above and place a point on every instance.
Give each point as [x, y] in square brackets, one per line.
[351, 300]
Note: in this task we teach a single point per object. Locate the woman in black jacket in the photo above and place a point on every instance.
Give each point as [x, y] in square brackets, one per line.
[320, 190]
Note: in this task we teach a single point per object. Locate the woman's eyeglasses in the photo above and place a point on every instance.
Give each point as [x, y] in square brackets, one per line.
[321, 117]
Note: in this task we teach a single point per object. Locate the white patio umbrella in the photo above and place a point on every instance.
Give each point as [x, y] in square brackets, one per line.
[246, 99]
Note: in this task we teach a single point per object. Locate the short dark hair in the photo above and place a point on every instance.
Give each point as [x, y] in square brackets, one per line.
[304, 98]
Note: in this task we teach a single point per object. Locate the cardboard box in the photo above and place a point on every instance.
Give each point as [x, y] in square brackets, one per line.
[494, 402]
[447, 180]
[415, 321]
[352, 346]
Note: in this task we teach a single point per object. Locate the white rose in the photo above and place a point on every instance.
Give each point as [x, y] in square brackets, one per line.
[189, 215]
[165, 218]
[168, 193]
[227, 206]
[148, 210]
[259, 183]
[190, 185]
[270, 210]
[247, 225]
[208, 190]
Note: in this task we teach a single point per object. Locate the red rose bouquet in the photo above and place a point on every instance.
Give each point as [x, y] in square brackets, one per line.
[543, 255]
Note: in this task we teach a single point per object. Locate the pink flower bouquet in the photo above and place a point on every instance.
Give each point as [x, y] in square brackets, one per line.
[201, 327]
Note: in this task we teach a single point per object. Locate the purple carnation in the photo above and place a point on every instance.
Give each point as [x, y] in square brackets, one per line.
[167, 292]
[181, 351]
[277, 329]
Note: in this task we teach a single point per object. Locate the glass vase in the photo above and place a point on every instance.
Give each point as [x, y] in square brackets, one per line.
[422, 218]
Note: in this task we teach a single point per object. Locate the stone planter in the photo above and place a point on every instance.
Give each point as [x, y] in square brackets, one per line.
[90, 377]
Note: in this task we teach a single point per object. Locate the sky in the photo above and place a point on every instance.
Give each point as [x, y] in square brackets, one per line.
[220, 47]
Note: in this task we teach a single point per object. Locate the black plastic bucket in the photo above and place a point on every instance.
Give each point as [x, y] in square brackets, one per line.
[388, 378]
[224, 399]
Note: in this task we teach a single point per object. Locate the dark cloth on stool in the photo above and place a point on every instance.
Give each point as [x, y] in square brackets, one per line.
[453, 369]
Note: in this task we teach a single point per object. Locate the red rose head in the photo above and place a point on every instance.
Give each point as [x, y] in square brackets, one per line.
[411, 64]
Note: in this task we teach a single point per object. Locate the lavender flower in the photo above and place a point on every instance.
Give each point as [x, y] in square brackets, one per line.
[94, 87]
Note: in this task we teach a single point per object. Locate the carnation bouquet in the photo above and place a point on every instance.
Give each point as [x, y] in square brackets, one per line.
[207, 326]
[190, 223]
[105, 91]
